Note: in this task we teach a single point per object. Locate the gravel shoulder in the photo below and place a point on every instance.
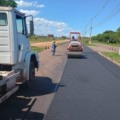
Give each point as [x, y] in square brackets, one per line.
[99, 48]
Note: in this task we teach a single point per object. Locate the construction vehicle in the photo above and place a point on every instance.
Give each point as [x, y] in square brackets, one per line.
[17, 62]
[75, 47]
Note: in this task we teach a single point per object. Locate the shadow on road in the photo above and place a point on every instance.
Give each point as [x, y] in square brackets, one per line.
[77, 57]
[40, 86]
[18, 106]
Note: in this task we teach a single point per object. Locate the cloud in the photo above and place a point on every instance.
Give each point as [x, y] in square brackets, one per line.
[44, 26]
[22, 3]
[30, 12]
[49, 23]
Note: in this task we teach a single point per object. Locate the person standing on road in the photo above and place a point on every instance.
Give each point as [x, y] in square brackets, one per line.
[54, 48]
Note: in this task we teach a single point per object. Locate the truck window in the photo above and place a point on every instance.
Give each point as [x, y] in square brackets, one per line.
[20, 24]
[3, 19]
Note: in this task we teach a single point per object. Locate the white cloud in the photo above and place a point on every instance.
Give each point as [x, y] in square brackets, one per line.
[50, 23]
[44, 27]
[40, 6]
[30, 12]
[22, 3]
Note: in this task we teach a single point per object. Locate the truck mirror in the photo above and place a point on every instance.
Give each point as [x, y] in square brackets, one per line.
[31, 28]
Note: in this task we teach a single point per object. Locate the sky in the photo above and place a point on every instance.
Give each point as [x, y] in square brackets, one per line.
[60, 17]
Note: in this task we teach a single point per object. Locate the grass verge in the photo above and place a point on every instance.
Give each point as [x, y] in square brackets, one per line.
[38, 49]
[112, 55]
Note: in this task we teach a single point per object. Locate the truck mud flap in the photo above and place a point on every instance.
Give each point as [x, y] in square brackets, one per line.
[8, 94]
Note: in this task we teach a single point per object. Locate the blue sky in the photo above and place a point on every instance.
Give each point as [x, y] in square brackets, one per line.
[59, 17]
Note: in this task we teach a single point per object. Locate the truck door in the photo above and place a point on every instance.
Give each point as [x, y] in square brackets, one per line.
[23, 42]
[5, 54]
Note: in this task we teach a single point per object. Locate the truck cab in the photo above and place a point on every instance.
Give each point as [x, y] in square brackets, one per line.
[15, 50]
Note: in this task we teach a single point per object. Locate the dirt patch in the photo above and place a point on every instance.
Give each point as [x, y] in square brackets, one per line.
[100, 49]
[42, 44]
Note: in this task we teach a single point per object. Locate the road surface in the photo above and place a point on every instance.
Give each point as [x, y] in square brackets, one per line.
[89, 90]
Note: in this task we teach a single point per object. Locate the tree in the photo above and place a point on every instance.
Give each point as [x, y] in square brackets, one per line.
[63, 37]
[108, 32]
[118, 30]
[11, 3]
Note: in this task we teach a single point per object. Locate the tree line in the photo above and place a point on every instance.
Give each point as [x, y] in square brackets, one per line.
[11, 3]
[108, 36]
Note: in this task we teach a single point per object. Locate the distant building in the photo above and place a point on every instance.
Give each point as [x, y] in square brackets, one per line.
[50, 35]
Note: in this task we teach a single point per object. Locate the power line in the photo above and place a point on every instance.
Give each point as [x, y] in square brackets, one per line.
[114, 12]
[91, 20]
[105, 4]
[91, 27]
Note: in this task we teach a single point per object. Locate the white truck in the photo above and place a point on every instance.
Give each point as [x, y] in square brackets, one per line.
[17, 62]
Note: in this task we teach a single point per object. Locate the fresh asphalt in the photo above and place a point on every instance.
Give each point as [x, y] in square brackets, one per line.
[89, 90]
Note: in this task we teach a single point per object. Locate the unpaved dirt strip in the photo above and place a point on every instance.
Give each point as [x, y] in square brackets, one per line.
[100, 49]
[39, 44]
[51, 67]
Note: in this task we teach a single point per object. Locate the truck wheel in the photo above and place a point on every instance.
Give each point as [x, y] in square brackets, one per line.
[32, 71]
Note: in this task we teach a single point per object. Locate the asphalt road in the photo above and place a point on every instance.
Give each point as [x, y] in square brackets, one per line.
[89, 90]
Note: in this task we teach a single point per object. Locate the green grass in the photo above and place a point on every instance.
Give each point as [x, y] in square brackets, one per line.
[37, 49]
[86, 42]
[34, 39]
[105, 43]
[39, 39]
[112, 55]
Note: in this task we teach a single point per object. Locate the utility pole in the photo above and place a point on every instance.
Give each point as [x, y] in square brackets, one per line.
[84, 33]
[91, 31]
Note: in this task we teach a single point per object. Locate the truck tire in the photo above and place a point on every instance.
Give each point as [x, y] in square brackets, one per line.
[31, 71]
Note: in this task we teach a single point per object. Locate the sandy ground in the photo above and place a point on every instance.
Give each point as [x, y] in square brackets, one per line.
[50, 72]
[42, 44]
[100, 49]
